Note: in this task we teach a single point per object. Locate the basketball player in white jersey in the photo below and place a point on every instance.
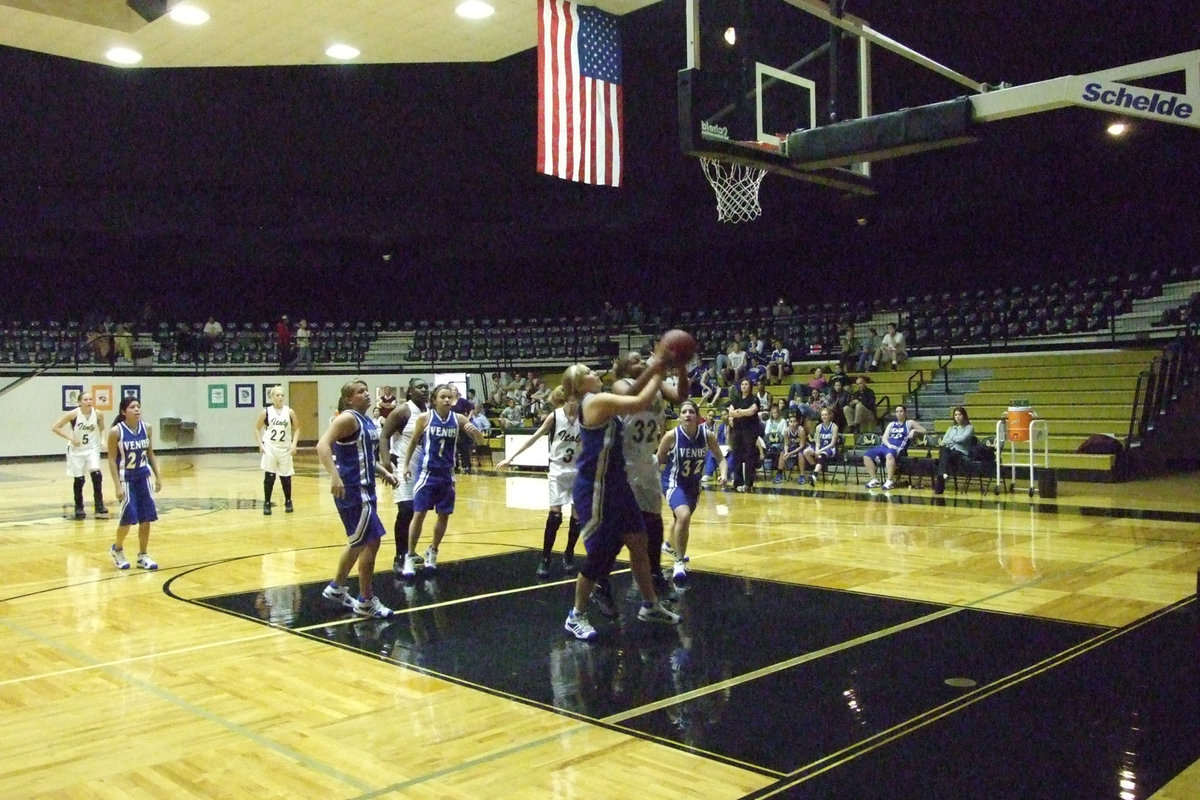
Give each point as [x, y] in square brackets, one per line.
[643, 431]
[277, 430]
[394, 442]
[86, 429]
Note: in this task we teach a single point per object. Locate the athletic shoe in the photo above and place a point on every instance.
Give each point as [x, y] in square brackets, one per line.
[371, 608]
[578, 626]
[100, 509]
[680, 574]
[80, 513]
[812, 479]
[144, 561]
[602, 597]
[338, 594]
[266, 508]
[668, 550]
[873, 483]
[889, 484]
[569, 568]
[778, 479]
[656, 613]
[740, 489]
[118, 557]
[663, 588]
[430, 559]
[410, 568]
[543, 570]
[288, 508]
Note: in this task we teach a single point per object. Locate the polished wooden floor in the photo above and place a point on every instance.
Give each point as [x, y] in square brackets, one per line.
[117, 685]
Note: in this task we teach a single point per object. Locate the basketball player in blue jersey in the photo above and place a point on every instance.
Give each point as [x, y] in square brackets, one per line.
[131, 462]
[435, 436]
[86, 429]
[609, 515]
[347, 452]
[642, 431]
[683, 451]
[397, 433]
[895, 443]
[277, 431]
[824, 445]
[562, 427]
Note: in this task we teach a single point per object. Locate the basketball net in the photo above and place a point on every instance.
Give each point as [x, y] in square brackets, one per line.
[736, 186]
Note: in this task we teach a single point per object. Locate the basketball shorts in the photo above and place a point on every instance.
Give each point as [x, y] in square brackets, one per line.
[82, 462]
[646, 482]
[403, 492]
[278, 461]
[683, 496]
[880, 453]
[138, 505]
[561, 482]
[361, 521]
[435, 494]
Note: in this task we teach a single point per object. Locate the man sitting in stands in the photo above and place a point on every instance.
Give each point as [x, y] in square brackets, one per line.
[891, 348]
[860, 411]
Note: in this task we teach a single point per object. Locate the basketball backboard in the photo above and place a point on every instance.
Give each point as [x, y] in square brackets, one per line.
[758, 70]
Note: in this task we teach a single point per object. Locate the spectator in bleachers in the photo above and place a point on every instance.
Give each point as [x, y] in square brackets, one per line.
[774, 429]
[511, 416]
[709, 385]
[283, 340]
[736, 364]
[866, 350]
[848, 342]
[385, 402]
[100, 340]
[803, 391]
[123, 341]
[779, 362]
[303, 338]
[212, 333]
[860, 411]
[891, 349]
[956, 448]
[780, 309]
[836, 401]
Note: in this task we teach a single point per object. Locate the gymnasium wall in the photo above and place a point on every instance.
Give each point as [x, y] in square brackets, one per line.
[210, 401]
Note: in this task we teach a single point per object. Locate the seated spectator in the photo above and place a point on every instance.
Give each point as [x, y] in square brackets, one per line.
[891, 349]
[736, 362]
[123, 341]
[860, 410]
[773, 436]
[764, 399]
[804, 390]
[810, 410]
[385, 402]
[779, 363]
[824, 445]
[956, 448]
[100, 340]
[780, 309]
[836, 401]
[511, 416]
[866, 350]
[895, 444]
[756, 348]
[495, 389]
[848, 355]
[795, 439]
[212, 333]
[709, 385]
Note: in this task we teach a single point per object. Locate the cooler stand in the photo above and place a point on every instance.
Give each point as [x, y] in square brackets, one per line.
[1039, 430]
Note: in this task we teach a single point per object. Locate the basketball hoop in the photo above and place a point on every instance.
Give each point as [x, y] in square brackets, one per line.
[736, 186]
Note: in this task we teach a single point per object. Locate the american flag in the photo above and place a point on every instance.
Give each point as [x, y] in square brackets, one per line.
[579, 93]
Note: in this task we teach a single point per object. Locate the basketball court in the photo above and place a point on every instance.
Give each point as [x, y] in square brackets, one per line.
[835, 642]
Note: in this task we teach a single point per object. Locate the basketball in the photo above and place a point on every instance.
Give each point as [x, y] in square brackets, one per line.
[680, 346]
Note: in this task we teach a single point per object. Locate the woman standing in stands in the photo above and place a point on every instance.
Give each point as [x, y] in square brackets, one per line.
[744, 429]
[561, 426]
[956, 448]
[131, 462]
